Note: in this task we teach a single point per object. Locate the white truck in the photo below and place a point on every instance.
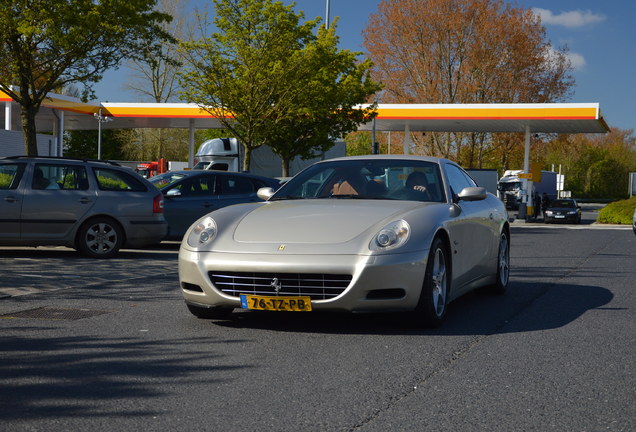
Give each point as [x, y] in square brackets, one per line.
[226, 154]
[510, 187]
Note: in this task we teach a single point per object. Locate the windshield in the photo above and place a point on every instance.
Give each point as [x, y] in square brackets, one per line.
[395, 179]
[563, 203]
[165, 179]
[509, 186]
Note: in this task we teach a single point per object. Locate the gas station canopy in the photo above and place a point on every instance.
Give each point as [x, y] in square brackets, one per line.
[60, 113]
[543, 118]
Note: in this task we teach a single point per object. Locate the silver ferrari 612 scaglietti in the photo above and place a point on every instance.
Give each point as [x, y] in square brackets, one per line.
[361, 234]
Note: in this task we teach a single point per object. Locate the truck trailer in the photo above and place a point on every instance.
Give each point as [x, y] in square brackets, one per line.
[226, 154]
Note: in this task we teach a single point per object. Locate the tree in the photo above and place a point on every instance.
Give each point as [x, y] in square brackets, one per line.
[326, 84]
[81, 144]
[49, 44]
[464, 51]
[155, 68]
[280, 83]
[595, 166]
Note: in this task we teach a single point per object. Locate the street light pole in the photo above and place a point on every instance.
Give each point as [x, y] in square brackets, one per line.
[327, 16]
[100, 119]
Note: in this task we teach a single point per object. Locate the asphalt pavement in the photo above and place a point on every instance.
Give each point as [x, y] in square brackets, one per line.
[109, 345]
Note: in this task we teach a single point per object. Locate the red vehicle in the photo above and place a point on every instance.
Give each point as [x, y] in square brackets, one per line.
[151, 169]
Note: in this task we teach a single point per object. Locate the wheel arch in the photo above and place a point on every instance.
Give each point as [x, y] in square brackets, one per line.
[97, 216]
[445, 237]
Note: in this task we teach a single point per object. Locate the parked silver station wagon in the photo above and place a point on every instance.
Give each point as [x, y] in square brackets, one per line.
[96, 207]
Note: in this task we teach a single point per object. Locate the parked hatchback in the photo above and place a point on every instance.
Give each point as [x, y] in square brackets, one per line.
[190, 194]
[95, 207]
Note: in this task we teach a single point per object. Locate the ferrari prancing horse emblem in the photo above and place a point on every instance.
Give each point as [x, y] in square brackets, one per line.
[281, 248]
[275, 283]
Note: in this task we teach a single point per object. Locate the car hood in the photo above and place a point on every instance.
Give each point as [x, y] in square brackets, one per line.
[317, 221]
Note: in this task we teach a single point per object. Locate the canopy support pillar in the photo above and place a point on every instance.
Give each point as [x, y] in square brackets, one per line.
[191, 145]
[526, 208]
[407, 139]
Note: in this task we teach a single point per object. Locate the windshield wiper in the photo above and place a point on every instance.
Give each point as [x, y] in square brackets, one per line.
[356, 196]
[287, 197]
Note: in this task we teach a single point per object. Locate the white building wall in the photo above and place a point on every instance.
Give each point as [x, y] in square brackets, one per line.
[12, 144]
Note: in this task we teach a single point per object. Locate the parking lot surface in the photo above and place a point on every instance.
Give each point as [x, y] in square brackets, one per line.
[109, 345]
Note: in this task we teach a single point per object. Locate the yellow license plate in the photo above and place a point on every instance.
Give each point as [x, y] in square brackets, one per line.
[281, 303]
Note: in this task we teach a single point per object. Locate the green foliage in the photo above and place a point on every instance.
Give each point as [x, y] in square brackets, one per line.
[359, 143]
[283, 84]
[111, 184]
[5, 180]
[46, 45]
[595, 166]
[618, 212]
[208, 134]
[83, 144]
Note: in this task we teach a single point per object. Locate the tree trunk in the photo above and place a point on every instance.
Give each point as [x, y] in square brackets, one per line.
[247, 158]
[28, 128]
[285, 167]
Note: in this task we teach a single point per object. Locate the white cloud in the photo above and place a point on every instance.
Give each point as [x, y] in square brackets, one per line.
[571, 19]
[577, 60]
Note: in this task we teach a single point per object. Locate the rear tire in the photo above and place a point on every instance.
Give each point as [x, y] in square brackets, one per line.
[100, 237]
[210, 313]
[431, 307]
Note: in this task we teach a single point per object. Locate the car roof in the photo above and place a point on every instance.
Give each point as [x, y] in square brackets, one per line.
[391, 157]
[60, 159]
[194, 172]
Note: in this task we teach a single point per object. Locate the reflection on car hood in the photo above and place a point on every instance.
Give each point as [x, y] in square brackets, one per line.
[316, 221]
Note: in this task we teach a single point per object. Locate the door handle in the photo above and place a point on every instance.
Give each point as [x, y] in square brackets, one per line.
[85, 200]
[10, 199]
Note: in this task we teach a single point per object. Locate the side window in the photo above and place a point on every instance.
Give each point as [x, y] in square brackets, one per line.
[201, 185]
[233, 185]
[59, 176]
[10, 175]
[115, 180]
[458, 179]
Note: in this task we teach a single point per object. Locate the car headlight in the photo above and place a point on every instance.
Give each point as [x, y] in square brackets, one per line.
[548, 212]
[204, 232]
[573, 212]
[391, 236]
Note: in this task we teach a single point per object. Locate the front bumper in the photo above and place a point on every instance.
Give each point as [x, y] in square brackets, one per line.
[562, 218]
[387, 283]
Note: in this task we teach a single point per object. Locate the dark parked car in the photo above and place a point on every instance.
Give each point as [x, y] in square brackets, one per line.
[562, 210]
[191, 194]
[95, 207]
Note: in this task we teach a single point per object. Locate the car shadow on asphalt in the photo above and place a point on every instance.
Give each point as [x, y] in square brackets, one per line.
[39, 252]
[525, 307]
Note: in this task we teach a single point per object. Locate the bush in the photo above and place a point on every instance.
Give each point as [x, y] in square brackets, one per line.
[618, 212]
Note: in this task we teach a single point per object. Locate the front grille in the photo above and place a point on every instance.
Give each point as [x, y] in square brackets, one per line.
[315, 285]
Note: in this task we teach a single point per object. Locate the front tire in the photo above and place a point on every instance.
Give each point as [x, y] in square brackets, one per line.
[503, 265]
[431, 308]
[100, 237]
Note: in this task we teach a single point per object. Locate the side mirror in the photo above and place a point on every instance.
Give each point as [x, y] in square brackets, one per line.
[472, 194]
[173, 193]
[265, 193]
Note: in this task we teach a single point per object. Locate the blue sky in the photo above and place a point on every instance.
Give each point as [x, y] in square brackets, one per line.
[601, 37]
